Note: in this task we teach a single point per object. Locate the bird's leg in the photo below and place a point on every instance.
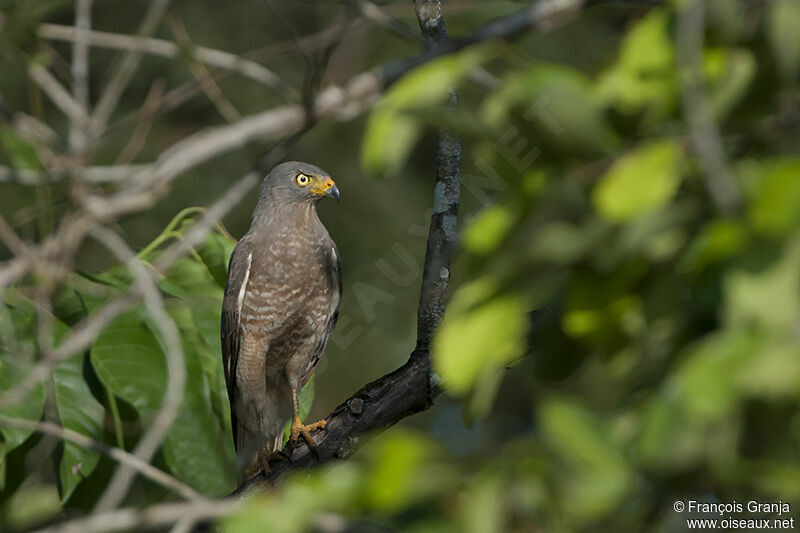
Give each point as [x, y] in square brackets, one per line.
[298, 428]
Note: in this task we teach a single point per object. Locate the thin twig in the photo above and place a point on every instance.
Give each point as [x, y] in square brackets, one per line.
[80, 75]
[7, 234]
[179, 95]
[125, 70]
[149, 45]
[100, 174]
[201, 74]
[150, 517]
[378, 15]
[145, 120]
[121, 456]
[57, 93]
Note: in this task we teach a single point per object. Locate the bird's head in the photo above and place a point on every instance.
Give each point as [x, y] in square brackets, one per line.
[297, 182]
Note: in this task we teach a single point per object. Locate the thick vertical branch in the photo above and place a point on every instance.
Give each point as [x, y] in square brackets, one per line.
[442, 234]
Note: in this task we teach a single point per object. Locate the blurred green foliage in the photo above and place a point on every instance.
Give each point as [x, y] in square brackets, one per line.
[665, 364]
[127, 364]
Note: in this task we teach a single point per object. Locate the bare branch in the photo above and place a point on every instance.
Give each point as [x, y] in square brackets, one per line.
[80, 74]
[376, 14]
[334, 102]
[122, 75]
[151, 517]
[57, 93]
[24, 176]
[32, 127]
[442, 234]
[145, 120]
[10, 237]
[136, 463]
[201, 74]
[100, 174]
[149, 45]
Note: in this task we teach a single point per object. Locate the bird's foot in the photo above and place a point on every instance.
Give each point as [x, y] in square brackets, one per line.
[265, 456]
[298, 429]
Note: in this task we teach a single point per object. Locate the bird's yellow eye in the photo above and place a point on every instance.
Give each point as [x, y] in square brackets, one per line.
[302, 180]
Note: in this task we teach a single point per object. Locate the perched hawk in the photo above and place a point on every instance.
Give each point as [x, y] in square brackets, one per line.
[280, 307]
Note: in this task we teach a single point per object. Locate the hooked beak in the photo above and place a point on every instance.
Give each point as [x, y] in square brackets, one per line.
[331, 190]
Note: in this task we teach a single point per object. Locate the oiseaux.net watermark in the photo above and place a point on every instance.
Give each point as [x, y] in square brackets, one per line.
[736, 515]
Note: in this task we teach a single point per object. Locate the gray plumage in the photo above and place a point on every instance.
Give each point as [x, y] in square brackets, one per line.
[281, 304]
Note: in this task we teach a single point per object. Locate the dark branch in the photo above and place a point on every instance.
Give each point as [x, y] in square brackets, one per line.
[409, 389]
[442, 234]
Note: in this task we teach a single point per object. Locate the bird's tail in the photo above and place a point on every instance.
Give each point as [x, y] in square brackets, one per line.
[250, 445]
[265, 440]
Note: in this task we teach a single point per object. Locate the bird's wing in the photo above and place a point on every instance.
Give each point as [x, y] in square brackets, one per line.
[333, 273]
[238, 276]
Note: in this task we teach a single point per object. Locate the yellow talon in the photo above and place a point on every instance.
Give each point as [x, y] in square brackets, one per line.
[298, 429]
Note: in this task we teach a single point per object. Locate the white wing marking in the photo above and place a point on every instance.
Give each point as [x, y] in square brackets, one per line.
[240, 299]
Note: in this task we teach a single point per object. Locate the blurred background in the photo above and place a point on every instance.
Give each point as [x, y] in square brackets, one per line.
[623, 328]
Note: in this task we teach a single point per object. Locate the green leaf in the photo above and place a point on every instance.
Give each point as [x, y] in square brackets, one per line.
[392, 130]
[69, 306]
[772, 372]
[397, 459]
[643, 81]
[216, 251]
[3, 465]
[81, 412]
[775, 207]
[21, 153]
[563, 243]
[129, 360]
[693, 415]
[706, 383]
[481, 507]
[32, 505]
[480, 331]
[30, 407]
[640, 182]
[597, 477]
[558, 104]
[199, 445]
[728, 74]
[717, 241]
[190, 281]
[782, 34]
[301, 501]
[487, 230]
[768, 298]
